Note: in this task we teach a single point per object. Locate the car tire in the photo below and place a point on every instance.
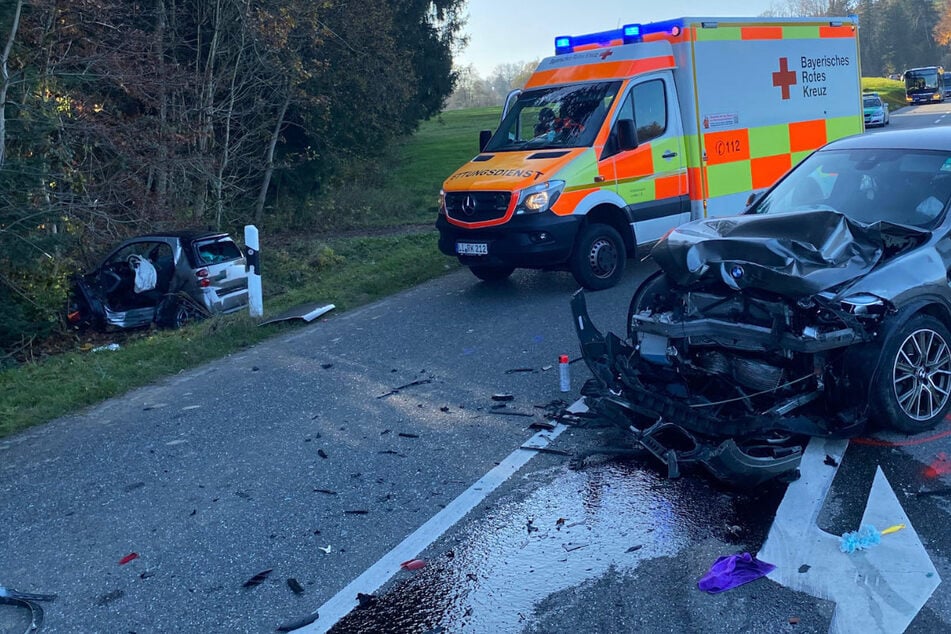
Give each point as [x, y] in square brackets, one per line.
[492, 273]
[911, 391]
[175, 312]
[647, 295]
[599, 257]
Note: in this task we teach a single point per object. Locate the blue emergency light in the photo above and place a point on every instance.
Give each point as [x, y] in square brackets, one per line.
[628, 34]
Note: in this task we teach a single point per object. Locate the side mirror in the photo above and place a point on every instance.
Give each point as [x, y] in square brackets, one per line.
[626, 135]
[484, 137]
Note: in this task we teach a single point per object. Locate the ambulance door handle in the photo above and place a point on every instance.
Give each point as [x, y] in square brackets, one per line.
[669, 155]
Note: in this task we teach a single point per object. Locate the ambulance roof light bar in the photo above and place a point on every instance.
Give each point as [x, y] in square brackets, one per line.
[627, 34]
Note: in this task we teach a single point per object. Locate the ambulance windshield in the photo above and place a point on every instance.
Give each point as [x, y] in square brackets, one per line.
[557, 117]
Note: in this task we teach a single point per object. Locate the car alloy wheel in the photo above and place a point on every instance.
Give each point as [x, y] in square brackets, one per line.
[921, 374]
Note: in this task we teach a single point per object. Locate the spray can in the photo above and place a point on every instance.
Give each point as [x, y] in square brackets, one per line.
[563, 375]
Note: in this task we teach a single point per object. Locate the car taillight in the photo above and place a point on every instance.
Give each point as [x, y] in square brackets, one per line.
[202, 275]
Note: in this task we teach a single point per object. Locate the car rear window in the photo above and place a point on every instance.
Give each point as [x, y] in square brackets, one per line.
[217, 251]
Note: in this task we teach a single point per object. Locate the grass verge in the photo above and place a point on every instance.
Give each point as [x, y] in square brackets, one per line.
[347, 272]
[892, 92]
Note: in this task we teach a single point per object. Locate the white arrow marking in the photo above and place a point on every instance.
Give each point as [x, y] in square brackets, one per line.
[876, 590]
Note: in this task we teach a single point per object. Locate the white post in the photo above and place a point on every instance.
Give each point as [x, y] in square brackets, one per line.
[255, 297]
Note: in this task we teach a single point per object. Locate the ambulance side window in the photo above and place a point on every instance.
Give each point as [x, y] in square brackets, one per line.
[650, 110]
[646, 105]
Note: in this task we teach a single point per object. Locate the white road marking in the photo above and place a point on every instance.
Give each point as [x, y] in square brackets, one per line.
[379, 573]
[877, 590]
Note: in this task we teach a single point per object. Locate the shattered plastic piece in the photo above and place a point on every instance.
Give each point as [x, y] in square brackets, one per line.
[865, 537]
[326, 549]
[557, 452]
[731, 571]
[109, 597]
[503, 397]
[633, 549]
[295, 585]
[306, 312]
[322, 453]
[804, 568]
[413, 564]
[325, 491]
[519, 370]
[542, 424]
[111, 347]
[128, 558]
[357, 512]
[522, 414]
[572, 546]
[405, 435]
[296, 624]
[257, 579]
[794, 620]
[832, 462]
[396, 390]
[365, 600]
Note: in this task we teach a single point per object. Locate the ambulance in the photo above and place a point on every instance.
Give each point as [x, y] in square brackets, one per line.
[624, 134]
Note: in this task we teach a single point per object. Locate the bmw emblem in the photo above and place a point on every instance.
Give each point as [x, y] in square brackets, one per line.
[736, 272]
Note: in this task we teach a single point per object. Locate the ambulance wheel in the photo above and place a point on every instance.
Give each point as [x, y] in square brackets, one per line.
[492, 273]
[599, 257]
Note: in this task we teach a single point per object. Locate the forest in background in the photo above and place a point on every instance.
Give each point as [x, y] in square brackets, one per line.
[120, 117]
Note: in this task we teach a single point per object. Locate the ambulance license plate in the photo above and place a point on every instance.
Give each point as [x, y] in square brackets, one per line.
[472, 248]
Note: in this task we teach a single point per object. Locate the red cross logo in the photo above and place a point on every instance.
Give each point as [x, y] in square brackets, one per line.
[784, 78]
[606, 54]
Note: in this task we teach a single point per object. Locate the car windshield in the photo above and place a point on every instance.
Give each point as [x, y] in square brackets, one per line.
[907, 187]
[872, 102]
[560, 117]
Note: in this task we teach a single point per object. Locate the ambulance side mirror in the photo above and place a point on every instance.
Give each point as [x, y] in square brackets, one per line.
[484, 137]
[626, 135]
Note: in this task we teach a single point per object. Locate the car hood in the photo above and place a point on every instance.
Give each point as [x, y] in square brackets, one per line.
[794, 254]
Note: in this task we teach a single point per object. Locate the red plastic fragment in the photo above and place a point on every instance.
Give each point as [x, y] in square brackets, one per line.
[128, 558]
[413, 564]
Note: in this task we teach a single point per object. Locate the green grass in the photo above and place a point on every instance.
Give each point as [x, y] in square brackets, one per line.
[891, 91]
[399, 190]
[402, 187]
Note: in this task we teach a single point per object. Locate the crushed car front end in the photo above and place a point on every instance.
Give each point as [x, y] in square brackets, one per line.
[793, 320]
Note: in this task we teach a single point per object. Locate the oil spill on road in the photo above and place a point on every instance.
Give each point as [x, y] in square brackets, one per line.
[561, 529]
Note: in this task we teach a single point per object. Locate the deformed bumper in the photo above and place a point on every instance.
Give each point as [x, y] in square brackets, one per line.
[534, 241]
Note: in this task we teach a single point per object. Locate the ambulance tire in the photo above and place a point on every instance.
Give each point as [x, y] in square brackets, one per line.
[599, 257]
[492, 273]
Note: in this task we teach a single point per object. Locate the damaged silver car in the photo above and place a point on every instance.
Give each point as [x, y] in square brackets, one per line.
[822, 310]
[168, 278]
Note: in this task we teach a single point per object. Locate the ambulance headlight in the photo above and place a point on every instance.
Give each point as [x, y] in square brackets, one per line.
[442, 202]
[539, 198]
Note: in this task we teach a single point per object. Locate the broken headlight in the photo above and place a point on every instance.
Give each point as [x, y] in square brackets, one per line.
[864, 304]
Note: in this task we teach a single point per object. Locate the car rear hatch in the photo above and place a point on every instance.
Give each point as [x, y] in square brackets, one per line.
[221, 269]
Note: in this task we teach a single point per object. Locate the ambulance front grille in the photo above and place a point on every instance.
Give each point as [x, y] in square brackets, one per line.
[477, 206]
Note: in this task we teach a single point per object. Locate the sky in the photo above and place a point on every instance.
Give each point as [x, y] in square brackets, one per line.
[504, 31]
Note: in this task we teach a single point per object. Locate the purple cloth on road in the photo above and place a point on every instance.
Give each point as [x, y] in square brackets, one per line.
[732, 571]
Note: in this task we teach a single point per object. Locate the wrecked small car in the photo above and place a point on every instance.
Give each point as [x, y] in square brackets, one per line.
[821, 310]
[168, 278]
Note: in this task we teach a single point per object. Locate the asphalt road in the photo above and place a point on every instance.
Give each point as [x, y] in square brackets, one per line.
[316, 454]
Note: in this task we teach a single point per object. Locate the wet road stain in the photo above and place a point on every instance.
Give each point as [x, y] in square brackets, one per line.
[561, 529]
